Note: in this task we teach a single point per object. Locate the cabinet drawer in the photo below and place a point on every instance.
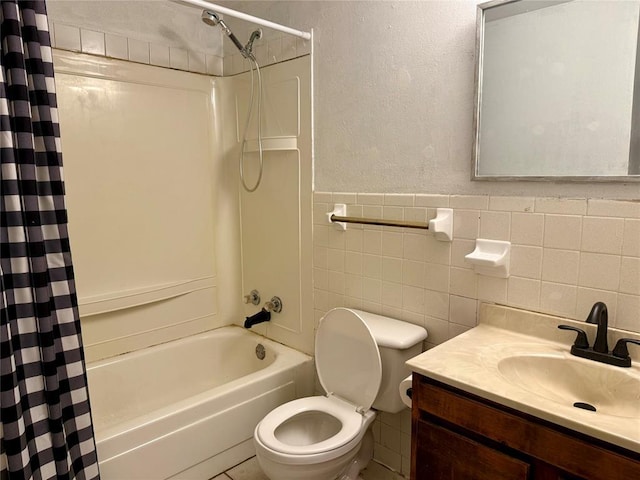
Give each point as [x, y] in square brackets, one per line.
[445, 455]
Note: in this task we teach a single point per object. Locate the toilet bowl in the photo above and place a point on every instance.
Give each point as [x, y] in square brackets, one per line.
[329, 437]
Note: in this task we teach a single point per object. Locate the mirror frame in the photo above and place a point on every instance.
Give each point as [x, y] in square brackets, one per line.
[635, 118]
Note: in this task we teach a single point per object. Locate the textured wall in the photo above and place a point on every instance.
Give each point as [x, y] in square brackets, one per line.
[394, 97]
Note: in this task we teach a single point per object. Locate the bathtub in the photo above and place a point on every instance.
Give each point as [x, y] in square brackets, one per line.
[187, 408]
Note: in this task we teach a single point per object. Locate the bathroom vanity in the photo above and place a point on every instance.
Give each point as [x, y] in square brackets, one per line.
[497, 403]
[456, 435]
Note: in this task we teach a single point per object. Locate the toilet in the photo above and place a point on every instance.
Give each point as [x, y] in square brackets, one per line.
[360, 360]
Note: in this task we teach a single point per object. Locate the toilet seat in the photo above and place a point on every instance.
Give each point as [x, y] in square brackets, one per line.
[350, 420]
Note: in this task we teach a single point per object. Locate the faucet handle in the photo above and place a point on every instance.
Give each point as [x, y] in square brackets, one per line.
[581, 338]
[620, 350]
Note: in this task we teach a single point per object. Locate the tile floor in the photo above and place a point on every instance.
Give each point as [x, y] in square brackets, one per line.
[250, 470]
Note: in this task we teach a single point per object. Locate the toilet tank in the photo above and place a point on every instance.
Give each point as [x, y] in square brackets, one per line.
[397, 341]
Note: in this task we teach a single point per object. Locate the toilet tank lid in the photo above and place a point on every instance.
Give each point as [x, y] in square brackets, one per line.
[392, 333]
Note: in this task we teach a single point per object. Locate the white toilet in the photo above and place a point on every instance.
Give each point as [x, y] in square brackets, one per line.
[360, 363]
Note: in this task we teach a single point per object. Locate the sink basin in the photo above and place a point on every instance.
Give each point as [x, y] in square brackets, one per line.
[610, 390]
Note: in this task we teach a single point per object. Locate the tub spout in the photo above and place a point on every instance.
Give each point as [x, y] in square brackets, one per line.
[262, 316]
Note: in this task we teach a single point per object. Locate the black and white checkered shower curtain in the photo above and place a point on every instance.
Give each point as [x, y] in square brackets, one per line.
[46, 429]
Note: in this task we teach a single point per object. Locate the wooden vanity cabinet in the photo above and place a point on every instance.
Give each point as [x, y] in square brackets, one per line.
[459, 436]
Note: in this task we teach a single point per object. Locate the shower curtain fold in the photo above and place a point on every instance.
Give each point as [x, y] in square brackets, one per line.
[46, 430]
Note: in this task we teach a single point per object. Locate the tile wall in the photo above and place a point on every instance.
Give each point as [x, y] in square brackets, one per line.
[566, 254]
[274, 50]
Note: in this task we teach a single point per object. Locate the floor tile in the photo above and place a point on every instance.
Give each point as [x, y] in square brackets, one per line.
[249, 470]
[222, 476]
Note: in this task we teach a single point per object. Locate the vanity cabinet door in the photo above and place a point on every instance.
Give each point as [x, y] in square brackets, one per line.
[445, 455]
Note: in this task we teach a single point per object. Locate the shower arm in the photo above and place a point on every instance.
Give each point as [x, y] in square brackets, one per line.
[244, 16]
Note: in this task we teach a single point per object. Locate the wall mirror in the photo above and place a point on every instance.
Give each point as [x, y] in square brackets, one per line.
[557, 91]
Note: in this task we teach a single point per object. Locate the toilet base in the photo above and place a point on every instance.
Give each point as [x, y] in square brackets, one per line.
[346, 467]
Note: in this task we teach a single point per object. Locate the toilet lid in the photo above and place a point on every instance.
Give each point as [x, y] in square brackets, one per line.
[347, 358]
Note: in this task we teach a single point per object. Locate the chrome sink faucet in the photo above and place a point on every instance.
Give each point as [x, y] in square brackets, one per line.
[600, 351]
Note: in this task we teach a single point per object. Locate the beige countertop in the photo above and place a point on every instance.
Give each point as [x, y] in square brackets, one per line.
[472, 362]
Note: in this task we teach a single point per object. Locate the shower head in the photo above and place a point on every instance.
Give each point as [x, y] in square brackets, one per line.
[212, 19]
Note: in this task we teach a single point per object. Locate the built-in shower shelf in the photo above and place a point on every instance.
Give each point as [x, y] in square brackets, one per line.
[272, 144]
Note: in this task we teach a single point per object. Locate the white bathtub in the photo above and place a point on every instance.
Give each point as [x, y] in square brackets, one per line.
[188, 408]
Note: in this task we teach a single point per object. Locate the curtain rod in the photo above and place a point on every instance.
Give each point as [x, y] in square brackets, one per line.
[244, 16]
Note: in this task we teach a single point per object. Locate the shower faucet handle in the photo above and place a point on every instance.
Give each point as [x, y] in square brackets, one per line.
[273, 305]
[253, 297]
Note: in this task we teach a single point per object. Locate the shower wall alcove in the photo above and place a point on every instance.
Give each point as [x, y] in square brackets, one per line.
[164, 243]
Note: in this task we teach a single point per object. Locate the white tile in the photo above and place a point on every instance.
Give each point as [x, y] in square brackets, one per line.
[372, 290]
[462, 310]
[492, 289]
[630, 275]
[437, 251]
[392, 269]
[320, 278]
[215, 65]
[434, 201]
[631, 242]
[437, 328]
[558, 298]
[466, 224]
[274, 50]
[495, 225]
[560, 266]
[92, 42]
[336, 238]
[387, 457]
[527, 228]
[372, 242]
[390, 437]
[566, 206]
[249, 470]
[392, 213]
[139, 52]
[178, 58]
[455, 329]
[372, 211]
[628, 315]
[336, 282]
[526, 261]
[463, 282]
[437, 277]
[197, 62]
[353, 286]
[392, 295]
[436, 304]
[414, 246]
[460, 248]
[602, 235]
[159, 55]
[322, 197]
[335, 259]
[345, 197]
[562, 231]
[320, 211]
[469, 202]
[413, 273]
[413, 299]
[415, 214]
[372, 266]
[512, 204]
[599, 271]
[614, 208]
[67, 37]
[399, 199]
[116, 46]
[392, 244]
[353, 240]
[588, 296]
[320, 236]
[239, 64]
[261, 54]
[320, 256]
[523, 292]
[371, 198]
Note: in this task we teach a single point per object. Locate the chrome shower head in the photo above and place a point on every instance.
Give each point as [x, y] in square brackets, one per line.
[210, 18]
